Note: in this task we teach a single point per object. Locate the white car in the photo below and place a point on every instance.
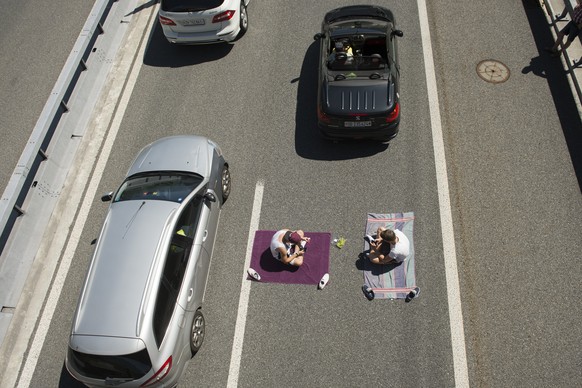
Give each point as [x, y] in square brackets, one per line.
[203, 21]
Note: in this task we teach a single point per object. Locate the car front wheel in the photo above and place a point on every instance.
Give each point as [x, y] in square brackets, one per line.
[225, 183]
[197, 332]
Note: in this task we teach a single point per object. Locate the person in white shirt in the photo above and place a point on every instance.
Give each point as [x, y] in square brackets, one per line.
[288, 246]
[389, 246]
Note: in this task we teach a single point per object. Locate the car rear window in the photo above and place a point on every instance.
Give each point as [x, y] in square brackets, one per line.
[128, 366]
[189, 5]
[159, 186]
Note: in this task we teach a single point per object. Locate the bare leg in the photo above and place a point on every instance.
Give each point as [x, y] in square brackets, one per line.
[375, 257]
[297, 262]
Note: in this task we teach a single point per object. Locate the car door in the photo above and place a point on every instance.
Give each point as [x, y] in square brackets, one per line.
[205, 232]
[392, 48]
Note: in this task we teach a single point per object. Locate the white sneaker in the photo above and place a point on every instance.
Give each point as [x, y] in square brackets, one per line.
[323, 281]
[254, 274]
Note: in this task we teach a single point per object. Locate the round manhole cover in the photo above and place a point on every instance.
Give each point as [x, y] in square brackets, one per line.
[493, 71]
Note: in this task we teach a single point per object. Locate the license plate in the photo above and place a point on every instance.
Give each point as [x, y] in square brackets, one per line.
[193, 22]
[358, 124]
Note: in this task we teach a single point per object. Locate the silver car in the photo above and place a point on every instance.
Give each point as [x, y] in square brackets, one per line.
[138, 319]
[203, 21]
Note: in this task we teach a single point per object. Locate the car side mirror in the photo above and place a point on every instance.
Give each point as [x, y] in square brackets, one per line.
[210, 195]
[107, 197]
[317, 36]
[398, 33]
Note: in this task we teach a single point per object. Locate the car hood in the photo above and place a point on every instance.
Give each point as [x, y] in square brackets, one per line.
[356, 96]
[177, 153]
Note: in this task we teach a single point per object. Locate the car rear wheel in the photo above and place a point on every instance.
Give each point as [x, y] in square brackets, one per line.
[225, 183]
[197, 332]
[244, 18]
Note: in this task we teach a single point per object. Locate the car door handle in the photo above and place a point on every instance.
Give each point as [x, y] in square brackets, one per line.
[205, 235]
[190, 294]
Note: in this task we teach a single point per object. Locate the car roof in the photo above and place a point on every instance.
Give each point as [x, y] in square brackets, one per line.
[125, 253]
[174, 153]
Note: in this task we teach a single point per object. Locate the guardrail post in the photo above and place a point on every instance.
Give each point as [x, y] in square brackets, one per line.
[43, 154]
[18, 210]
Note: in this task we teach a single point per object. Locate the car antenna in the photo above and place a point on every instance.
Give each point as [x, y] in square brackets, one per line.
[133, 218]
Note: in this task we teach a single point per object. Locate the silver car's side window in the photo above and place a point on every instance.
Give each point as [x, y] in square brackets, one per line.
[175, 267]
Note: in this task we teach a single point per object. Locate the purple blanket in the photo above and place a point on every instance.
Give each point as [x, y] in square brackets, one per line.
[315, 262]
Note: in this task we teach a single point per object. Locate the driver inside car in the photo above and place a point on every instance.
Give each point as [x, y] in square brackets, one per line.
[341, 53]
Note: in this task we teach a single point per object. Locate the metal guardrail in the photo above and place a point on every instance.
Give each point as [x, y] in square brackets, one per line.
[11, 204]
[571, 64]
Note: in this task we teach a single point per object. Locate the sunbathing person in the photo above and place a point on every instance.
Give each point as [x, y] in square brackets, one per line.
[288, 246]
[389, 246]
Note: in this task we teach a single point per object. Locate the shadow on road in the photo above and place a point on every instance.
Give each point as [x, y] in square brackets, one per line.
[308, 143]
[161, 53]
[147, 5]
[551, 68]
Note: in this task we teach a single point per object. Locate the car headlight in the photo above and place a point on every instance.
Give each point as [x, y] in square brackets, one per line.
[218, 150]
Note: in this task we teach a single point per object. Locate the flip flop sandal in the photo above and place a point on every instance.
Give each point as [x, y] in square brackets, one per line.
[412, 294]
[254, 274]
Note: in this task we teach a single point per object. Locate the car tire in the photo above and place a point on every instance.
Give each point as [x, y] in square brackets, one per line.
[225, 182]
[244, 19]
[197, 332]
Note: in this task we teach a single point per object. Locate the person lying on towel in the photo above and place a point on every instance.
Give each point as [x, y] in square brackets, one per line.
[389, 246]
[288, 246]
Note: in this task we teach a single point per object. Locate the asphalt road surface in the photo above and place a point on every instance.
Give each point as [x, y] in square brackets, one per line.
[514, 195]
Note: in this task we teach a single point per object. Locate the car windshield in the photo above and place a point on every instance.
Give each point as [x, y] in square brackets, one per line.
[162, 186]
[351, 25]
[189, 5]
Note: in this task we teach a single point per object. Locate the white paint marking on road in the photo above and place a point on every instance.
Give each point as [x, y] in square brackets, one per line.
[59, 281]
[450, 255]
[243, 302]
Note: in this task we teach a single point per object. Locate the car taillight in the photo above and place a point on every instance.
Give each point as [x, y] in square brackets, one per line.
[394, 114]
[160, 374]
[223, 16]
[322, 116]
[166, 21]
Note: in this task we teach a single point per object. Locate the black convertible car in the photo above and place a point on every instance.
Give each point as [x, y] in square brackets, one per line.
[358, 74]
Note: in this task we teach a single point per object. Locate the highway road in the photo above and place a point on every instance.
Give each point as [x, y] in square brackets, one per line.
[513, 196]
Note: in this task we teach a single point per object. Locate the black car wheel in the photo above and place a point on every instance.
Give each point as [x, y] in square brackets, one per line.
[225, 183]
[244, 18]
[197, 332]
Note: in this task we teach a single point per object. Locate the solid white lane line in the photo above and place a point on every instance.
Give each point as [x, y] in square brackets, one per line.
[448, 236]
[243, 302]
[59, 281]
